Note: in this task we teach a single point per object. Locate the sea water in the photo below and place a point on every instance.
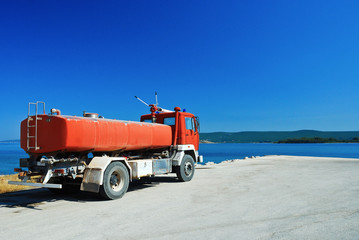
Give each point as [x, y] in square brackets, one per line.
[220, 152]
[10, 153]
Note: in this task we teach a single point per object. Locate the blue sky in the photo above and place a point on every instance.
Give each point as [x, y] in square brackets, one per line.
[239, 65]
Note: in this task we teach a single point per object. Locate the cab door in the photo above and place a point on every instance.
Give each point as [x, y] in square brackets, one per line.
[191, 132]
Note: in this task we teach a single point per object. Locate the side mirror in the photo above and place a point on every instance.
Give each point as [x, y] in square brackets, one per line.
[197, 123]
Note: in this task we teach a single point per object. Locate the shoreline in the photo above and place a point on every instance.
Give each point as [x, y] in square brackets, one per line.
[235, 160]
[241, 159]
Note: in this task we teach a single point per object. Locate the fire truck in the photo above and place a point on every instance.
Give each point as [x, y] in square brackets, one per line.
[104, 155]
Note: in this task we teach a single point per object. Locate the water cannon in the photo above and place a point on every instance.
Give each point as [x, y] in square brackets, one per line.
[153, 107]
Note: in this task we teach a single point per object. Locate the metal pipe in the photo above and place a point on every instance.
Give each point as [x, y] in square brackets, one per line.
[177, 109]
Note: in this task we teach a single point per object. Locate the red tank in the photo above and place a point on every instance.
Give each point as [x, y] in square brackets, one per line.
[57, 133]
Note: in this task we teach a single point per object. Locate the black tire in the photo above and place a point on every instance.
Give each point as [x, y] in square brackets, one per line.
[185, 172]
[115, 181]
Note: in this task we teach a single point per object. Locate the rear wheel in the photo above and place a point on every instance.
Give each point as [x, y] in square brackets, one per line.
[115, 181]
[185, 172]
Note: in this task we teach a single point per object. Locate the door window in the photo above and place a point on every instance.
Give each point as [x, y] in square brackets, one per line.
[189, 123]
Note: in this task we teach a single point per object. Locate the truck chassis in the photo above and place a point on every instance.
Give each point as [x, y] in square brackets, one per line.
[107, 175]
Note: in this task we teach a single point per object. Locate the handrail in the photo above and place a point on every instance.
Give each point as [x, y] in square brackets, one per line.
[29, 126]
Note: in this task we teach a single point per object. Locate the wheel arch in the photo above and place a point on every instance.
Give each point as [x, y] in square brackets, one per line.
[192, 154]
[183, 150]
[93, 175]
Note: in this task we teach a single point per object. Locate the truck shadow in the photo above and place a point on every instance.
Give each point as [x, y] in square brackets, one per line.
[34, 198]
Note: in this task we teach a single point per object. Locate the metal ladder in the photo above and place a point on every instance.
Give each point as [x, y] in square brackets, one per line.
[29, 119]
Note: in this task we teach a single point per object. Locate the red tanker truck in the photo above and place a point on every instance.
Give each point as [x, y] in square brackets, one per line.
[104, 155]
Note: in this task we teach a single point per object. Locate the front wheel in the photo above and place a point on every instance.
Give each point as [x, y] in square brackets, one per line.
[115, 181]
[185, 172]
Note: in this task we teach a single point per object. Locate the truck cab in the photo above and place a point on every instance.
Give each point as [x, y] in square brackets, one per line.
[185, 126]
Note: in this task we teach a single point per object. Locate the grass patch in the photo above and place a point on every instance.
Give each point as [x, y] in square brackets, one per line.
[5, 187]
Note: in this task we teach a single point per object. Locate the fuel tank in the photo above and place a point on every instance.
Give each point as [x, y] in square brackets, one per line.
[59, 133]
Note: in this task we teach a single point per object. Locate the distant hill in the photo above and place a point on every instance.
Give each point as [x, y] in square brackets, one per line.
[318, 140]
[273, 136]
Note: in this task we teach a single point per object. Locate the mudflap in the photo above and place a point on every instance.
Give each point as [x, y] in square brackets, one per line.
[92, 180]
